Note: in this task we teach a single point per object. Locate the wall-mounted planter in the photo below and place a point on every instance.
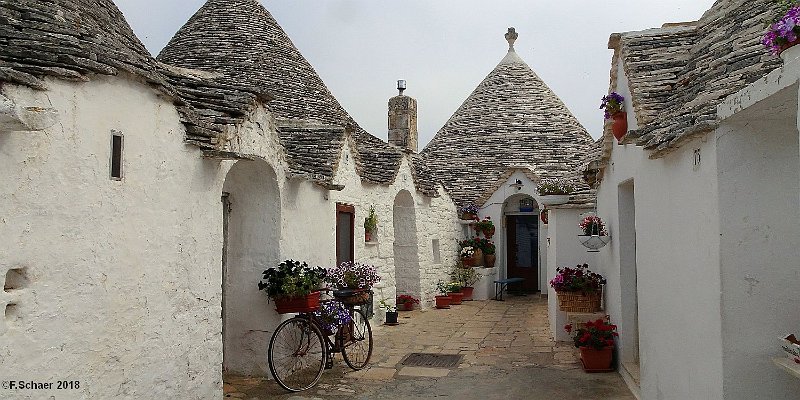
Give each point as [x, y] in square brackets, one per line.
[619, 124]
[790, 53]
[553, 199]
[594, 242]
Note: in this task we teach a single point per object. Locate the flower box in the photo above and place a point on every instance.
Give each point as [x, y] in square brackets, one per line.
[352, 297]
[309, 303]
[579, 302]
[553, 199]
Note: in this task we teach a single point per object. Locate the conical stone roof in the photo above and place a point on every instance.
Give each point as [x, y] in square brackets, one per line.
[69, 39]
[512, 118]
[242, 41]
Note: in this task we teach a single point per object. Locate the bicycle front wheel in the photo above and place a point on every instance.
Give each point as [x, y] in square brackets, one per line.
[357, 341]
[297, 354]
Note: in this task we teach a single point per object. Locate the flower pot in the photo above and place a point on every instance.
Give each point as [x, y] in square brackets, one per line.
[594, 242]
[553, 199]
[544, 216]
[579, 301]
[308, 303]
[468, 262]
[405, 306]
[619, 124]
[468, 216]
[488, 233]
[477, 258]
[442, 301]
[455, 298]
[490, 260]
[596, 360]
[391, 317]
[789, 52]
[367, 236]
[467, 293]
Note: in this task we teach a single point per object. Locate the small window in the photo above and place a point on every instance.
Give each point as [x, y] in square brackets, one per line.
[437, 255]
[116, 155]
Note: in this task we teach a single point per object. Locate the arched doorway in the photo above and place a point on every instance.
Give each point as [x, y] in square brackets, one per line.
[406, 257]
[251, 244]
[521, 234]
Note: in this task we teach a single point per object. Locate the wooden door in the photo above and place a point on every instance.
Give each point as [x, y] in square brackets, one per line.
[522, 233]
[345, 231]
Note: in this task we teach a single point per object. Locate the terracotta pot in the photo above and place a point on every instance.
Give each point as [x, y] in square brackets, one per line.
[788, 45]
[468, 262]
[468, 216]
[367, 236]
[442, 301]
[307, 303]
[477, 258]
[490, 260]
[405, 306]
[488, 233]
[619, 126]
[455, 298]
[544, 216]
[594, 359]
[467, 292]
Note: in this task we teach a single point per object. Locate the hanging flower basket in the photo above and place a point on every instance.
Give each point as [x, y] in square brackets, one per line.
[308, 303]
[579, 302]
[594, 242]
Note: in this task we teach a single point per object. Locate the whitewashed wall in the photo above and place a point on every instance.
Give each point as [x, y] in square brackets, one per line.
[564, 250]
[122, 282]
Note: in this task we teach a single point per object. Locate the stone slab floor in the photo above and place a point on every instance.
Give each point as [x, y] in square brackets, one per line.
[507, 354]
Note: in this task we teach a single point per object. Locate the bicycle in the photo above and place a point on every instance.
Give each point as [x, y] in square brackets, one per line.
[300, 349]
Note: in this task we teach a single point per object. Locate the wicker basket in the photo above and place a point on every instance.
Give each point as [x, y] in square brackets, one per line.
[579, 301]
[352, 297]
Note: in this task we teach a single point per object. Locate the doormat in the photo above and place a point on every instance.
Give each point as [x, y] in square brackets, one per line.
[432, 360]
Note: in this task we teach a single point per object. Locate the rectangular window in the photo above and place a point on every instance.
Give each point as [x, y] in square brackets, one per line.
[116, 155]
[345, 242]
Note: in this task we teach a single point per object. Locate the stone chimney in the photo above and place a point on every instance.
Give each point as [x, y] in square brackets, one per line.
[403, 120]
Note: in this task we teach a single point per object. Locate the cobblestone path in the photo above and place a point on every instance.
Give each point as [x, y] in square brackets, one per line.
[507, 354]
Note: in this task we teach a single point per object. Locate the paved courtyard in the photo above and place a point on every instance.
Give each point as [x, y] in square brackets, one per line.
[507, 354]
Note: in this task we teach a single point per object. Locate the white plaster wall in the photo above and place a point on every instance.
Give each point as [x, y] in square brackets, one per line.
[623, 88]
[758, 186]
[564, 250]
[677, 260]
[123, 284]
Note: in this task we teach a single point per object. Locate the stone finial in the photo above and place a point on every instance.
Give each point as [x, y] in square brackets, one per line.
[511, 37]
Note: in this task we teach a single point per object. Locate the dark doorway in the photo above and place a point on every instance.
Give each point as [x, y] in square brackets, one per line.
[345, 231]
[522, 232]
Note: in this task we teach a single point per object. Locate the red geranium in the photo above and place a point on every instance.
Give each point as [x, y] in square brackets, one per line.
[597, 334]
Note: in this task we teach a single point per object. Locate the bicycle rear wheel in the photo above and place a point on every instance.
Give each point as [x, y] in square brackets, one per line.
[297, 354]
[357, 341]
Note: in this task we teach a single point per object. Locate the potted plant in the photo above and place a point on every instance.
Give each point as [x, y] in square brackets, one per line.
[489, 250]
[294, 286]
[554, 191]
[614, 104]
[785, 32]
[467, 278]
[352, 281]
[477, 255]
[486, 226]
[467, 255]
[332, 314]
[468, 212]
[391, 312]
[406, 302]
[595, 236]
[595, 339]
[370, 224]
[578, 289]
[442, 300]
[454, 291]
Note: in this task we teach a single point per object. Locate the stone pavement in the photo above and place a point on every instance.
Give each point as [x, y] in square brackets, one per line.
[507, 354]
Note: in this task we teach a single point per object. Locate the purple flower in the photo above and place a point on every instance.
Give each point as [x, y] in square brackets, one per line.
[782, 33]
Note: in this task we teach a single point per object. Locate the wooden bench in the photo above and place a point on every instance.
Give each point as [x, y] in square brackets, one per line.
[502, 284]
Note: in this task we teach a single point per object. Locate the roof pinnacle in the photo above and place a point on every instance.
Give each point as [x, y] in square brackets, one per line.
[511, 37]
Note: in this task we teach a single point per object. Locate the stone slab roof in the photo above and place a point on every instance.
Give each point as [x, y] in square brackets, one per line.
[312, 149]
[69, 40]
[694, 68]
[511, 118]
[242, 42]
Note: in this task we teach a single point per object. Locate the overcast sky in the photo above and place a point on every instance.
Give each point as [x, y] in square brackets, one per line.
[443, 48]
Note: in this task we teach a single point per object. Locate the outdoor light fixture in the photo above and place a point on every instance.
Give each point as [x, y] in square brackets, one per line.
[591, 174]
[401, 86]
[517, 185]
